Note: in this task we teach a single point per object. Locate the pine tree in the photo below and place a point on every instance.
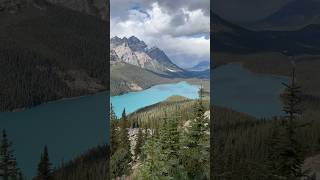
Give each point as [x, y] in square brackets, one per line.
[285, 158]
[5, 157]
[121, 158]
[15, 172]
[169, 142]
[196, 143]
[8, 163]
[44, 166]
[291, 159]
[153, 166]
[114, 130]
[124, 139]
[120, 163]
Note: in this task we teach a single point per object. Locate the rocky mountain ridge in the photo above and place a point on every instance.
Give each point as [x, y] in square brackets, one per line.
[135, 52]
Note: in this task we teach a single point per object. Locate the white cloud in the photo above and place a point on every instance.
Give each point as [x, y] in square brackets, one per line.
[179, 34]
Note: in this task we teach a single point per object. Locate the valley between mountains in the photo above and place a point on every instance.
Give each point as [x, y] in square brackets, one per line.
[135, 66]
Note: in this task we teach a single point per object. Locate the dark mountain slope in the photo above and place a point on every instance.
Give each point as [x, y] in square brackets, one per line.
[98, 8]
[48, 53]
[126, 77]
[235, 39]
[294, 15]
[162, 58]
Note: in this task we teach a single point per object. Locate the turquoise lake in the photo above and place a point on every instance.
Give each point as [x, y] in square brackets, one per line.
[135, 100]
[68, 127]
[241, 90]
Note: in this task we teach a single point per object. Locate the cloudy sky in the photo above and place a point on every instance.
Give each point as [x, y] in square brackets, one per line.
[179, 27]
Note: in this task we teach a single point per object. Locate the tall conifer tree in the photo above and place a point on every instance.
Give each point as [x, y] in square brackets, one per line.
[8, 163]
[114, 130]
[196, 143]
[44, 166]
[120, 160]
[169, 142]
[291, 159]
[285, 151]
[153, 166]
[124, 135]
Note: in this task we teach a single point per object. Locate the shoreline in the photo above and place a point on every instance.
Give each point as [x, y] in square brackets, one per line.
[178, 81]
[55, 101]
[252, 71]
[174, 81]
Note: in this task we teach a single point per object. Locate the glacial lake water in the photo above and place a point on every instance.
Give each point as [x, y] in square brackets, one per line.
[135, 100]
[68, 127]
[241, 90]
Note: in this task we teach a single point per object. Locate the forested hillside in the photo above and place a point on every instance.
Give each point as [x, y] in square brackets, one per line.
[93, 164]
[247, 148]
[48, 52]
[126, 77]
[168, 140]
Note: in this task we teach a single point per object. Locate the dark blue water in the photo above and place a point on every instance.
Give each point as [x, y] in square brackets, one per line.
[244, 91]
[67, 127]
[135, 100]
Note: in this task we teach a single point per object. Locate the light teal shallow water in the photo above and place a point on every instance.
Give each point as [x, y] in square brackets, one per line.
[68, 127]
[135, 100]
[241, 90]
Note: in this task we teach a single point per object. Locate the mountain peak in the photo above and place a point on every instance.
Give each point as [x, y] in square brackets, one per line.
[133, 38]
[154, 48]
[116, 41]
[115, 38]
[135, 51]
[161, 57]
[136, 44]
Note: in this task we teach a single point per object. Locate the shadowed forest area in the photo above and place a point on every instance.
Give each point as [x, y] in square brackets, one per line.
[248, 148]
[48, 52]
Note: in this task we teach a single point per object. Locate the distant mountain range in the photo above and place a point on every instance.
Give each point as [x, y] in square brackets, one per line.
[293, 16]
[201, 66]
